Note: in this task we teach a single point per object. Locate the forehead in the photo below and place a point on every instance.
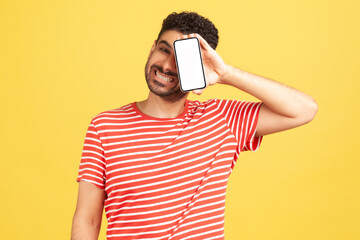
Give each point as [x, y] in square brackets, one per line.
[170, 36]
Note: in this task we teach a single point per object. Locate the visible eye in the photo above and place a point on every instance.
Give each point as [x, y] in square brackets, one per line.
[164, 50]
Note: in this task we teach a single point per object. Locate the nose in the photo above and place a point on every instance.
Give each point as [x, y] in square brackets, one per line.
[169, 64]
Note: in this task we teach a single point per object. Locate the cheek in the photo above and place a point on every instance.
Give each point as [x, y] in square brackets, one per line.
[149, 63]
[157, 57]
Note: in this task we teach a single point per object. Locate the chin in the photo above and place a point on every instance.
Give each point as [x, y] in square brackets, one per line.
[169, 96]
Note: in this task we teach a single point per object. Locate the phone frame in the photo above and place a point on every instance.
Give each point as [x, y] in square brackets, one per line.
[201, 61]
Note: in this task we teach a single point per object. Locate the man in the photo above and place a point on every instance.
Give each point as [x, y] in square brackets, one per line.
[160, 166]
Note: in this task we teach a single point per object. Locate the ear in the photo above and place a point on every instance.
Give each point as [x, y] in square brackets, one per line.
[152, 48]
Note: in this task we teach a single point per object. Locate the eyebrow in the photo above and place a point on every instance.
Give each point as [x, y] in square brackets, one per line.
[166, 43]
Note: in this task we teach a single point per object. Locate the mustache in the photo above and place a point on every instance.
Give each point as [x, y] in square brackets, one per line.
[160, 69]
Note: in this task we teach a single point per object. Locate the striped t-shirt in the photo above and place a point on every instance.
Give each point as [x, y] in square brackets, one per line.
[167, 178]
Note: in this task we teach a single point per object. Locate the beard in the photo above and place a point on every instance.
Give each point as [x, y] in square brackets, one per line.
[172, 94]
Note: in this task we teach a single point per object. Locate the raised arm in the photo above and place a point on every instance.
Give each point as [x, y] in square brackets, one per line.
[283, 107]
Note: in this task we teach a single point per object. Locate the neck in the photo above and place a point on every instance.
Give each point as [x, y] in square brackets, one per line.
[157, 107]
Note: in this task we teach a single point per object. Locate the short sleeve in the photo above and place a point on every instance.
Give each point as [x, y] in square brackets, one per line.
[92, 165]
[242, 118]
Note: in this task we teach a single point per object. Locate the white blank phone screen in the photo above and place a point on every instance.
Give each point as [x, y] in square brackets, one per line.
[189, 64]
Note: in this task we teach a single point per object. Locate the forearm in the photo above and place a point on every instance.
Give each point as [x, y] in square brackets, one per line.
[279, 97]
[84, 229]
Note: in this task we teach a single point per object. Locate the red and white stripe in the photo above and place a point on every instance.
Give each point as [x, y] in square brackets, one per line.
[167, 178]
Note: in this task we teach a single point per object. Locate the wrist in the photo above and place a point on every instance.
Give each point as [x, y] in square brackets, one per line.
[225, 76]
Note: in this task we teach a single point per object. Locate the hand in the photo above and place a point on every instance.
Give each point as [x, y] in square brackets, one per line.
[214, 66]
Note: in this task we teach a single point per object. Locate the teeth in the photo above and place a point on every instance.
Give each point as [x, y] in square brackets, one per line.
[163, 77]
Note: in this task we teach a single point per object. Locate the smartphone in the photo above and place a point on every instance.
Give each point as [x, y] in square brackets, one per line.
[189, 64]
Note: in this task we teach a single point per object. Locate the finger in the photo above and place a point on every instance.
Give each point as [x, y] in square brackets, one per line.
[184, 36]
[192, 35]
[197, 92]
[202, 41]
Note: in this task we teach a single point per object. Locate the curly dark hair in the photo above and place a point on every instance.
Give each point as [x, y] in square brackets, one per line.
[191, 22]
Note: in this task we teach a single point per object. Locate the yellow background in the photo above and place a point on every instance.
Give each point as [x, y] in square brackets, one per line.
[62, 62]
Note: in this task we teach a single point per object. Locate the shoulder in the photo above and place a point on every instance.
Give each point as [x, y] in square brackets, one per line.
[216, 103]
[205, 103]
[202, 107]
[112, 114]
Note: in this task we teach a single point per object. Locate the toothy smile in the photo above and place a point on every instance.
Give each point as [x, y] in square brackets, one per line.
[159, 75]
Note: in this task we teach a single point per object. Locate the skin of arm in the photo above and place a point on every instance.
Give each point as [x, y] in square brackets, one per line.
[282, 108]
[88, 214]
